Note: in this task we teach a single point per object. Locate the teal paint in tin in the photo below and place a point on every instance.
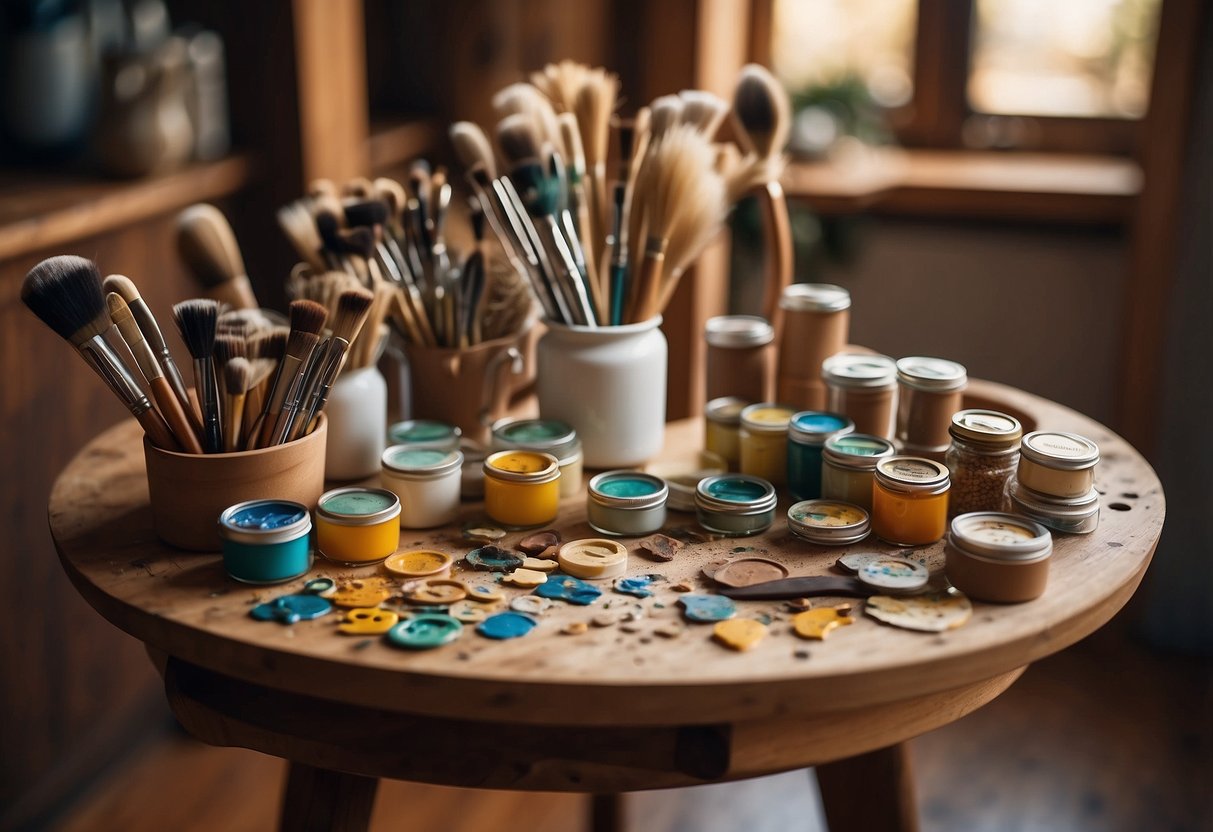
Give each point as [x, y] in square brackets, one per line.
[808, 431]
[266, 541]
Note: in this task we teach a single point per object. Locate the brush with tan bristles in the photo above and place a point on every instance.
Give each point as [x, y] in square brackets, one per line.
[307, 319]
[65, 293]
[209, 249]
[265, 350]
[166, 400]
[237, 378]
[353, 309]
[762, 117]
[682, 199]
[527, 101]
[579, 206]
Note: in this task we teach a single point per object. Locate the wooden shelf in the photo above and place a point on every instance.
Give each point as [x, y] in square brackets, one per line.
[43, 209]
[394, 141]
[1024, 186]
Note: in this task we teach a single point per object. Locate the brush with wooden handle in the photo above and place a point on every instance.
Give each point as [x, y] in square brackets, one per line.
[237, 378]
[162, 393]
[208, 246]
[307, 319]
[196, 321]
[65, 293]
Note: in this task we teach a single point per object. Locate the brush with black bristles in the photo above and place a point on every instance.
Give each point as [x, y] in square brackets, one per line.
[208, 246]
[65, 293]
[196, 321]
[307, 319]
[126, 287]
[237, 379]
[352, 309]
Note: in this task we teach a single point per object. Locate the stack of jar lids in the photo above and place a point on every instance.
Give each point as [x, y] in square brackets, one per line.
[1055, 482]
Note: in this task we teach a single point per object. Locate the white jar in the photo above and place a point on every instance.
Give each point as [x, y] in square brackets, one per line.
[428, 483]
[609, 383]
[357, 414]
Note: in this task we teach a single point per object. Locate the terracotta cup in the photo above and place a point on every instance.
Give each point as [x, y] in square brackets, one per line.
[471, 388]
[189, 491]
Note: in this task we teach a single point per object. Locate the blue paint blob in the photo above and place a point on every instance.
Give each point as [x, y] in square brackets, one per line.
[267, 515]
[638, 586]
[493, 559]
[568, 588]
[506, 625]
[425, 631]
[291, 608]
[707, 608]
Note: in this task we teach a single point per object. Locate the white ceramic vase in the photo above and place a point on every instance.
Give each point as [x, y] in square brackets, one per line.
[357, 416]
[609, 383]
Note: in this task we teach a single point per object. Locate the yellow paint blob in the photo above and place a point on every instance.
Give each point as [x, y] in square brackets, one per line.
[361, 594]
[817, 624]
[366, 621]
[739, 633]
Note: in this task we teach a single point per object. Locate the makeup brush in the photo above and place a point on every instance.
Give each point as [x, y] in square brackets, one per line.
[125, 287]
[196, 320]
[237, 378]
[162, 393]
[762, 110]
[307, 319]
[209, 249]
[65, 293]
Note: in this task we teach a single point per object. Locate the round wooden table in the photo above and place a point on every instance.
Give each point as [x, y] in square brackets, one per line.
[615, 709]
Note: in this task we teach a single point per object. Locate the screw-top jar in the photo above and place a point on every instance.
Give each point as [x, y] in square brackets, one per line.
[828, 522]
[816, 321]
[722, 429]
[521, 488]
[848, 463]
[427, 481]
[863, 387]
[549, 436]
[357, 526]
[626, 503]
[735, 505]
[425, 433]
[910, 500]
[930, 391]
[981, 459]
[998, 557]
[739, 358]
[265, 541]
[808, 430]
[1072, 515]
[764, 442]
[1058, 464]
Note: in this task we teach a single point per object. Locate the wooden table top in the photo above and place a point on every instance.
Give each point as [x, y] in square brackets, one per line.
[184, 605]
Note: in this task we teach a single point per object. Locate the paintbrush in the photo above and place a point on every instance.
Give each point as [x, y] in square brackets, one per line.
[166, 400]
[196, 320]
[125, 287]
[65, 293]
[307, 319]
[237, 378]
[209, 249]
[353, 309]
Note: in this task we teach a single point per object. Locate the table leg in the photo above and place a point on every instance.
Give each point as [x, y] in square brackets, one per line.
[872, 791]
[606, 813]
[318, 800]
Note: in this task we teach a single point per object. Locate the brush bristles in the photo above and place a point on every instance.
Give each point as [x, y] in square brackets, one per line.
[122, 285]
[307, 316]
[528, 102]
[472, 146]
[703, 110]
[237, 376]
[196, 321]
[270, 345]
[300, 343]
[391, 194]
[359, 188]
[228, 348]
[365, 213]
[358, 241]
[121, 315]
[664, 113]
[352, 308]
[762, 107]
[572, 140]
[207, 245]
[65, 293]
[518, 140]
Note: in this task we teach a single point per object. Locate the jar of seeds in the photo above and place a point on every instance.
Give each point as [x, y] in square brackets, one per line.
[981, 459]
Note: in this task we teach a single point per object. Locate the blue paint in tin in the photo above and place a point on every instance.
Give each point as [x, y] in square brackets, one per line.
[266, 541]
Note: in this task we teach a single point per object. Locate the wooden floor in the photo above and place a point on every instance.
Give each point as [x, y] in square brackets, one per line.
[1105, 736]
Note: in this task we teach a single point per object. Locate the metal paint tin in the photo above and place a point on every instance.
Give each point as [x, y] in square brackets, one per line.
[828, 522]
[1072, 515]
[265, 541]
[848, 463]
[735, 504]
[808, 431]
[521, 488]
[427, 481]
[1058, 464]
[357, 526]
[550, 436]
[998, 557]
[626, 503]
[425, 433]
[722, 428]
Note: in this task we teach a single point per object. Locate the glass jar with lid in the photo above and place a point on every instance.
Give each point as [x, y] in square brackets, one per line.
[764, 442]
[981, 459]
[807, 433]
[848, 463]
[722, 429]
[930, 391]
[816, 324]
[739, 358]
[863, 387]
[910, 500]
[551, 436]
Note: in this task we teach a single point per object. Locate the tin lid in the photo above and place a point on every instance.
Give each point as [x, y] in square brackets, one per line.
[726, 410]
[1063, 451]
[858, 451]
[533, 467]
[998, 536]
[548, 435]
[767, 417]
[828, 522]
[358, 506]
[738, 331]
[893, 575]
[263, 522]
[912, 474]
[425, 432]
[422, 462]
[812, 427]
[628, 490]
[735, 494]
[854, 371]
[986, 427]
[814, 297]
[931, 375]
[1062, 509]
